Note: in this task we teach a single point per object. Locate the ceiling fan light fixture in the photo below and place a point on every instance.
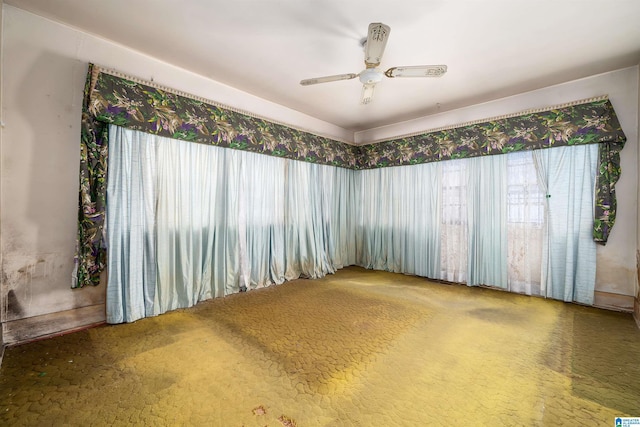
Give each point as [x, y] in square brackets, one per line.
[370, 76]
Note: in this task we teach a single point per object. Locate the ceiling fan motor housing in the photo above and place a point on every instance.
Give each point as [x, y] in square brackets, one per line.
[370, 76]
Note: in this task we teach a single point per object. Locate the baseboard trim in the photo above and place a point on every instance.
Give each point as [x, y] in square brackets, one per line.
[21, 331]
[613, 301]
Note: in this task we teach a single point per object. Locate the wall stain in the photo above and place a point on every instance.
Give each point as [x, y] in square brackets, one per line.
[13, 305]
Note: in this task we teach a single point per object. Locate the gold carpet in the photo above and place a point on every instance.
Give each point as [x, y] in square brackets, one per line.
[358, 348]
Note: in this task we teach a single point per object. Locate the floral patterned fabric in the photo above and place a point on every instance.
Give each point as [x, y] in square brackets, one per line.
[133, 105]
[594, 122]
[605, 198]
[91, 252]
[113, 99]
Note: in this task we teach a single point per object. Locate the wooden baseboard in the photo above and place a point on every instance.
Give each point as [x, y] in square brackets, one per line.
[612, 301]
[47, 325]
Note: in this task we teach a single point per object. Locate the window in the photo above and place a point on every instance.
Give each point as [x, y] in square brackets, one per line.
[454, 192]
[525, 200]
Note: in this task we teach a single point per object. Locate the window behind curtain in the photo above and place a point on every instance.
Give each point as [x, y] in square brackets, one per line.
[525, 222]
[454, 232]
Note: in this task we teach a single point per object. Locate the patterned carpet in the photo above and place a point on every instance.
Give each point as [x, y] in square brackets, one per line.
[357, 348]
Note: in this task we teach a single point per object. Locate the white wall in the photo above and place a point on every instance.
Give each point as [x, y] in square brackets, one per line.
[616, 262]
[43, 71]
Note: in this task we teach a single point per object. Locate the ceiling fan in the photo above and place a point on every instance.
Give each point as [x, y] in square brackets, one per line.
[374, 46]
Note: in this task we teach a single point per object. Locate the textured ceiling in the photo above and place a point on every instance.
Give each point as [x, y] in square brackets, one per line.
[493, 48]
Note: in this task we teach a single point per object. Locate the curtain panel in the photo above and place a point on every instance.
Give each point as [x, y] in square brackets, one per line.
[190, 222]
[90, 257]
[112, 98]
[593, 122]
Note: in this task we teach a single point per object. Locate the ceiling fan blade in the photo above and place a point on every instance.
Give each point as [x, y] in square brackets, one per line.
[375, 44]
[417, 71]
[367, 93]
[328, 79]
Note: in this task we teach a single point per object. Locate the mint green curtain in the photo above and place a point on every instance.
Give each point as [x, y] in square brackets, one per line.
[487, 221]
[482, 221]
[569, 252]
[189, 222]
[261, 221]
[398, 219]
[188, 250]
[130, 223]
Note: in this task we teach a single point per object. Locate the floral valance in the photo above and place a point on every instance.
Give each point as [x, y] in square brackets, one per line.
[112, 98]
[130, 103]
[583, 122]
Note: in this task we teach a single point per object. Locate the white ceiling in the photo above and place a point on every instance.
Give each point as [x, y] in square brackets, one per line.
[493, 48]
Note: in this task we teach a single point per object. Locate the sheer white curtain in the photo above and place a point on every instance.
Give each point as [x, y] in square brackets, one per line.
[188, 222]
[454, 235]
[526, 224]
